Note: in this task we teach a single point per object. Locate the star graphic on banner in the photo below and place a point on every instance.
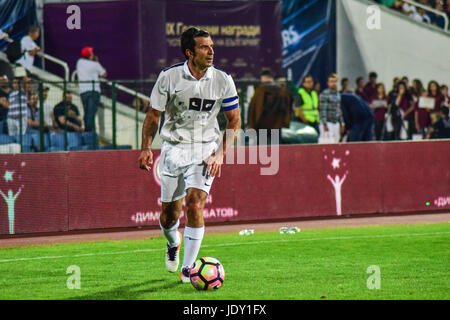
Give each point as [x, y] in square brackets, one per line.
[8, 175]
[335, 164]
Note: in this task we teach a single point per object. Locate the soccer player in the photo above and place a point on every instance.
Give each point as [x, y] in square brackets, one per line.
[191, 94]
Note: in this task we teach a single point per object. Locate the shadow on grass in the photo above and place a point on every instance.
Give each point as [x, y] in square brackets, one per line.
[130, 292]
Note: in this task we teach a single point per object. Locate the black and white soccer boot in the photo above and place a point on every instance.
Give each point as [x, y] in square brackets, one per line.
[184, 275]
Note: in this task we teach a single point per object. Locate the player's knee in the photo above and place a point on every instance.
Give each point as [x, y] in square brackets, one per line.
[194, 206]
[168, 219]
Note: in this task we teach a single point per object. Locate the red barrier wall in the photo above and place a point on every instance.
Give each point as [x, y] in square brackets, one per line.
[103, 189]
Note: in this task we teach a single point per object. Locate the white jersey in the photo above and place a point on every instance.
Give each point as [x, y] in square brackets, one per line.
[191, 106]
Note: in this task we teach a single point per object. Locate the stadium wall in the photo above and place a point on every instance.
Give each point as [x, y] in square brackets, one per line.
[50, 192]
[400, 47]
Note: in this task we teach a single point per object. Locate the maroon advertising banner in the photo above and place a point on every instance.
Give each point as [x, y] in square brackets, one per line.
[106, 189]
[33, 189]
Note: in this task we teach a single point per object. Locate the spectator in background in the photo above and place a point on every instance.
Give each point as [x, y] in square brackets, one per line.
[447, 8]
[379, 107]
[435, 93]
[74, 122]
[17, 113]
[89, 69]
[416, 89]
[436, 19]
[441, 129]
[317, 87]
[397, 6]
[360, 87]
[49, 117]
[34, 114]
[331, 118]
[270, 106]
[29, 47]
[370, 91]
[403, 99]
[421, 16]
[408, 9]
[358, 117]
[4, 103]
[421, 115]
[445, 97]
[344, 86]
[405, 79]
[307, 103]
[394, 85]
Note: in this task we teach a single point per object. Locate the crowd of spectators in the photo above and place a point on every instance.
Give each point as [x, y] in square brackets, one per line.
[408, 111]
[20, 108]
[420, 14]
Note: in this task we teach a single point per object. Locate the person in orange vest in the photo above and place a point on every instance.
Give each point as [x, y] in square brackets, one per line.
[307, 109]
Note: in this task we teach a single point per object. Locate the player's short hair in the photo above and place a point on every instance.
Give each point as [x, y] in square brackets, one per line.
[445, 110]
[373, 74]
[188, 39]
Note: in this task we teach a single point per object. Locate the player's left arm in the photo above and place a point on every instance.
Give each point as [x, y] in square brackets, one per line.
[215, 161]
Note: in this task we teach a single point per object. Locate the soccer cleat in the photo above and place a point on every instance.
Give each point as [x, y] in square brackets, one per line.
[173, 256]
[184, 275]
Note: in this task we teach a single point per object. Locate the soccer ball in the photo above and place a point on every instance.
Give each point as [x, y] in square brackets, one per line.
[207, 274]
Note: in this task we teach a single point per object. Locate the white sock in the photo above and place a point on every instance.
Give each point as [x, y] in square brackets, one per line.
[171, 234]
[192, 241]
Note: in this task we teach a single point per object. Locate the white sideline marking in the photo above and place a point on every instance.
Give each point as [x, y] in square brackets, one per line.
[236, 244]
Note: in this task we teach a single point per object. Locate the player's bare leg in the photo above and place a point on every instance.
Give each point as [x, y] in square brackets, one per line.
[169, 222]
[194, 230]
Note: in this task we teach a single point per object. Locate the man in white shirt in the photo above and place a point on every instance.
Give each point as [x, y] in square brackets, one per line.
[191, 94]
[89, 71]
[29, 48]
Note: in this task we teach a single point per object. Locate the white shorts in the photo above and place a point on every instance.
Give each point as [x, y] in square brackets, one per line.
[182, 167]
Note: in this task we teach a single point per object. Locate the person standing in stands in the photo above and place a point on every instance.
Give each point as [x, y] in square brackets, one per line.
[89, 70]
[330, 112]
[307, 104]
[17, 113]
[4, 103]
[29, 48]
[370, 91]
[270, 107]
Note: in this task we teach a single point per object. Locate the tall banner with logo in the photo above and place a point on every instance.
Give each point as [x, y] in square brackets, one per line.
[144, 35]
[309, 39]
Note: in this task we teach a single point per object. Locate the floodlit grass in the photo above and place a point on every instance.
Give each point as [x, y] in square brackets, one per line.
[414, 262]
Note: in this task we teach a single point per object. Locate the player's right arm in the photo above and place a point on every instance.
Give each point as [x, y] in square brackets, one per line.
[149, 130]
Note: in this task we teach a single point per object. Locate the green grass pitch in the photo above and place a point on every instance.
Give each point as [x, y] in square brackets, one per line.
[414, 262]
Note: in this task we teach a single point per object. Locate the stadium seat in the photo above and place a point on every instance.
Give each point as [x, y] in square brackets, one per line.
[90, 139]
[124, 147]
[57, 142]
[36, 138]
[74, 140]
[5, 139]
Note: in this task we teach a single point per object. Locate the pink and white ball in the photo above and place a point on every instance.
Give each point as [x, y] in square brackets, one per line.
[207, 273]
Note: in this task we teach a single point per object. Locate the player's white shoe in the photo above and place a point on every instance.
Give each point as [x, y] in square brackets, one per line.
[173, 256]
[184, 275]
